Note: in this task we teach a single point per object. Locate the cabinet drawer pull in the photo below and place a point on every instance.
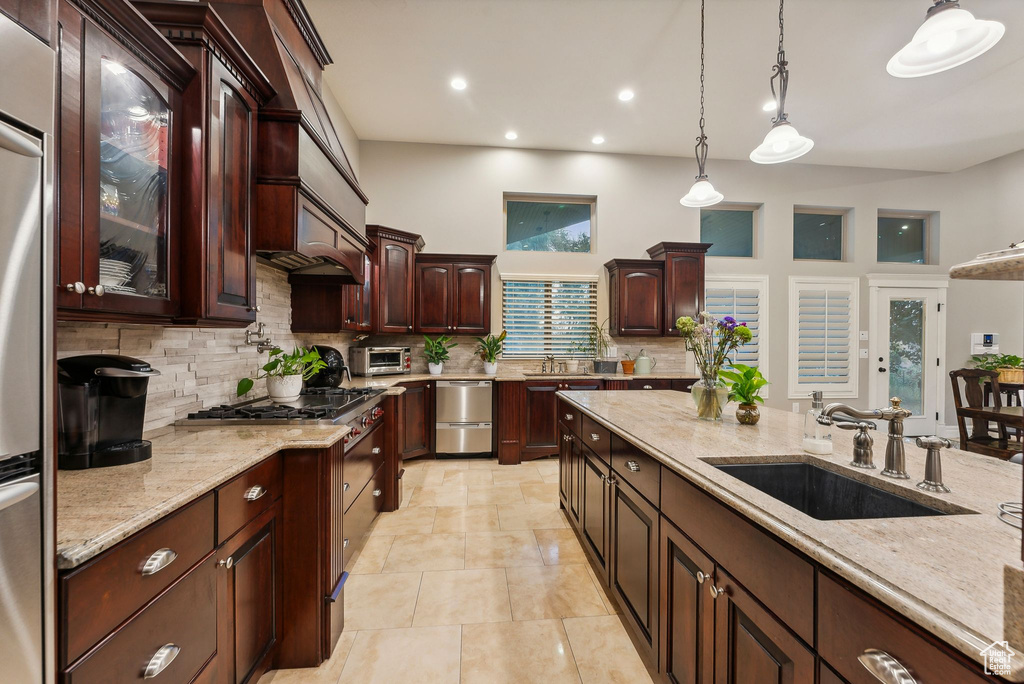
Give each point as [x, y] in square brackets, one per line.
[568, 416]
[160, 559]
[648, 387]
[611, 480]
[701, 577]
[717, 591]
[344, 487]
[377, 492]
[254, 492]
[344, 544]
[885, 668]
[226, 563]
[594, 437]
[633, 466]
[163, 657]
[375, 450]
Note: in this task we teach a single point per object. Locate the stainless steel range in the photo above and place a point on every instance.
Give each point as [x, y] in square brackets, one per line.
[357, 408]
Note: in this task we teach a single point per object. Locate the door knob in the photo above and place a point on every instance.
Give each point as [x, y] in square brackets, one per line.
[882, 370]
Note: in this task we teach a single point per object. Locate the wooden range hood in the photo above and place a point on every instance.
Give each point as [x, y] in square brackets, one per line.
[311, 212]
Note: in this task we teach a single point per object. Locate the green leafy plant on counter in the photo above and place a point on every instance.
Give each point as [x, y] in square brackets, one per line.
[490, 346]
[997, 361]
[598, 340]
[744, 383]
[436, 351]
[301, 361]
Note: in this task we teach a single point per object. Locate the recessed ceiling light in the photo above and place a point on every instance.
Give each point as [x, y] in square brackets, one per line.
[459, 83]
[597, 139]
[768, 106]
[626, 95]
[511, 135]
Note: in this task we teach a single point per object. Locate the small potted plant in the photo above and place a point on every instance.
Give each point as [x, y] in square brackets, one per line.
[628, 363]
[576, 348]
[600, 343]
[489, 348]
[436, 352]
[1009, 366]
[285, 373]
[745, 384]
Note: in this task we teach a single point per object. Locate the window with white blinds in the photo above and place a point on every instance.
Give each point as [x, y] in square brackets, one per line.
[547, 315]
[745, 298]
[822, 336]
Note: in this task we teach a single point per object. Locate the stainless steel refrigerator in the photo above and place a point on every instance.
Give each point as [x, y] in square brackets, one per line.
[26, 357]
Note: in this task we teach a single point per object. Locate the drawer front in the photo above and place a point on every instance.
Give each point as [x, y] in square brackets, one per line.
[569, 416]
[597, 437]
[850, 623]
[650, 384]
[361, 515]
[745, 551]
[683, 385]
[184, 618]
[637, 468]
[361, 463]
[245, 497]
[98, 596]
[463, 438]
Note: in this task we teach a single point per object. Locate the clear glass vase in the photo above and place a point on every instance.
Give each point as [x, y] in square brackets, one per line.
[709, 397]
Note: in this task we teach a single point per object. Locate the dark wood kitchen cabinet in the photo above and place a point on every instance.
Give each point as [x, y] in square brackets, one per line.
[38, 16]
[684, 279]
[687, 629]
[539, 420]
[453, 294]
[594, 511]
[417, 419]
[393, 275]
[218, 277]
[636, 290]
[358, 299]
[120, 139]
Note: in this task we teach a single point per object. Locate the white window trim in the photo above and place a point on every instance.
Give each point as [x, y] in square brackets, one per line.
[761, 283]
[549, 199]
[850, 389]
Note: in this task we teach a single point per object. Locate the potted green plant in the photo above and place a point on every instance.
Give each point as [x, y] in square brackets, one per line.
[628, 363]
[600, 343]
[1009, 366]
[284, 373]
[711, 341]
[489, 347]
[577, 348]
[745, 384]
[436, 352]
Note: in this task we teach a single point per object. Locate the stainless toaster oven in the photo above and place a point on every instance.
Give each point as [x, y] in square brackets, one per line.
[380, 360]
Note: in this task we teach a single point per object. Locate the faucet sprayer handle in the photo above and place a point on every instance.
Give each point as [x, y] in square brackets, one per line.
[933, 443]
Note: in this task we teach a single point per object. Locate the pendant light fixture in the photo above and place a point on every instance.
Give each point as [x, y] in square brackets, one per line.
[702, 193]
[949, 37]
[783, 143]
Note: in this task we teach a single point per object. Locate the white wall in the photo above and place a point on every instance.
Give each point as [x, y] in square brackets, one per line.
[347, 134]
[452, 195]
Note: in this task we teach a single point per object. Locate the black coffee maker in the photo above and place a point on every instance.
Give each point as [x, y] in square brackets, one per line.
[101, 409]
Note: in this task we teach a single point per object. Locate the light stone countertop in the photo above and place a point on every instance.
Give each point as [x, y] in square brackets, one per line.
[945, 573]
[507, 376]
[99, 507]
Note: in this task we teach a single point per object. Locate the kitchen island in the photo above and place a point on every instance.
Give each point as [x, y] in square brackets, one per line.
[943, 574]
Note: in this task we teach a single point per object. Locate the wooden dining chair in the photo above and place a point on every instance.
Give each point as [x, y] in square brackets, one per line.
[985, 437]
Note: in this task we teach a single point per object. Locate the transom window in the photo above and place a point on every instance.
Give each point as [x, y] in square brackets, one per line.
[548, 315]
[903, 237]
[819, 234]
[549, 224]
[730, 228]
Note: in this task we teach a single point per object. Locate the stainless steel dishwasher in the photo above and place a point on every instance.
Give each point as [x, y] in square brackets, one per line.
[464, 418]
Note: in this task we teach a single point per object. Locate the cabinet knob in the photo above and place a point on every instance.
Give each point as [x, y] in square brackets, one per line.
[256, 308]
[255, 492]
[344, 487]
[344, 544]
[568, 416]
[717, 591]
[594, 437]
[76, 287]
[633, 466]
[226, 563]
[377, 492]
[701, 577]
[648, 387]
[163, 657]
[885, 668]
[375, 450]
[97, 290]
[160, 559]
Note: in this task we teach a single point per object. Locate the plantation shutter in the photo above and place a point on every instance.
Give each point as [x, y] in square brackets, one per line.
[743, 304]
[823, 320]
[547, 315]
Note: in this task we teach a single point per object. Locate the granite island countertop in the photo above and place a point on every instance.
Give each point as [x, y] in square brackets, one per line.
[99, 507]
[945, 573]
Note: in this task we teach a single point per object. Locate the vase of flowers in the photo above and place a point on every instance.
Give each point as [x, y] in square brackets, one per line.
[711, 341]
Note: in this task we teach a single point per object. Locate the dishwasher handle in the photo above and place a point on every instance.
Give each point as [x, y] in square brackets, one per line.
[463, 383]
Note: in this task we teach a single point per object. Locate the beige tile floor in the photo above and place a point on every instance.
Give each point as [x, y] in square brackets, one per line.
[478, 578]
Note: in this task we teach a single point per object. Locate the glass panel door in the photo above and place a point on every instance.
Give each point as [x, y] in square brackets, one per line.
[906, 348]
[133, 159]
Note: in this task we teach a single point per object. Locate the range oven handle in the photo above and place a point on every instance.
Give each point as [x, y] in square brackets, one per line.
[337, 589]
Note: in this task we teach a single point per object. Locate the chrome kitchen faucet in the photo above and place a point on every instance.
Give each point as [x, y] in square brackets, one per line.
[895, 456]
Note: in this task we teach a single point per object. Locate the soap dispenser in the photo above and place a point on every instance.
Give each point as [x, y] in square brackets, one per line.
[817, 437]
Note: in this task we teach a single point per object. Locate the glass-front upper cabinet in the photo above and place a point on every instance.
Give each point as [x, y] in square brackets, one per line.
[119, 145]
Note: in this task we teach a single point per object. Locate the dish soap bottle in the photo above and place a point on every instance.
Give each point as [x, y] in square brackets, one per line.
[817, 437]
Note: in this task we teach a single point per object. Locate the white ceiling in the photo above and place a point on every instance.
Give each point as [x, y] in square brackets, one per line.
[551, 69]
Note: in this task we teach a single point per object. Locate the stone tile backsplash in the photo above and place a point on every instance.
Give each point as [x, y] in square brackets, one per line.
[200, 366]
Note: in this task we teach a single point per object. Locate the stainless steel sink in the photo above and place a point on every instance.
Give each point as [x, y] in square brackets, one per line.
[827, 495]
